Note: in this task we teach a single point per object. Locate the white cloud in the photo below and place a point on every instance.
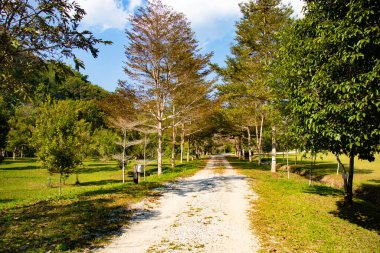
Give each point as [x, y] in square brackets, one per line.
[201, 12]
[133, 4]
[214, 19]
[106, 14]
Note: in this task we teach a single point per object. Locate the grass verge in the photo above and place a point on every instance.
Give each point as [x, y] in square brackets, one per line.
[290, 216]
[84, 216]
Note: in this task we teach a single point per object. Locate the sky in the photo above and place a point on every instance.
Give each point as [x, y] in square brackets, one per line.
[213, 22]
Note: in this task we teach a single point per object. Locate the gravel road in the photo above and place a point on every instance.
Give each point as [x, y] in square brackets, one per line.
[203, 213]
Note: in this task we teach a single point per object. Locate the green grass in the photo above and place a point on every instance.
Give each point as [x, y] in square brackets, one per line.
[33, 218]
[290, 216]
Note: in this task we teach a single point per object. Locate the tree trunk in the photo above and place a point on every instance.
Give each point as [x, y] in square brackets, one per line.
[174, 136]
[274, 144]
[14, 153]
[249, 145]
[287, 161]
[144, 154]
[188, 149]
[257, 143]
[236, 147]
[348, 199]
[124, 147]
[182, 141]
[196, 150]
[159, 148]
[344, 177]
[260, 139]
[242, 148]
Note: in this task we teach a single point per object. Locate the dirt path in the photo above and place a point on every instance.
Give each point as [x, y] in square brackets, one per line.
[204, 213]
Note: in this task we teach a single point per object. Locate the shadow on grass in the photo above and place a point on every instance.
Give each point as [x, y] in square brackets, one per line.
[323, 190]
[18, 160]
[361, 213]
[244, 164]
[64, 225]
[101, 182]
[98, 168]
[30, 167]
[131, 189]
[369, 193]
[3, 201]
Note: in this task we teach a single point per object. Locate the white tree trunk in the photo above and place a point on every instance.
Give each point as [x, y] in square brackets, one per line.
[188, 150]
[274, 144]
[144, 154]
[242, 148]
[174, 136]
[249, 144]
[124, 147]
[182, 140]
[159, 148]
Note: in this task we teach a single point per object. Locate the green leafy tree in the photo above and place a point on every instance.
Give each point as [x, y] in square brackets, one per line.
[60, 137]
[329, 65]
[20, 133]
[104, 143]
[35, 31]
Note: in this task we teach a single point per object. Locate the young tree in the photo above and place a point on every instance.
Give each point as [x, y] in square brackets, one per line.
[60, 137]
[329, 64]
[123, 115]
[161, 53]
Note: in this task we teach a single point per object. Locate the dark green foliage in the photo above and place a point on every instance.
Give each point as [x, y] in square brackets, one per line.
[21, 124]
[60, 81]
[34, 32]
[329, 66]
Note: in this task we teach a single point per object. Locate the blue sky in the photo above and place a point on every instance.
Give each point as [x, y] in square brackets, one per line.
[213, 22]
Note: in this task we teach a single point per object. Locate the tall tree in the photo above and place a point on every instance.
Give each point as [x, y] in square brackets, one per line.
[247, 73]
[329, 65]
[161, 52]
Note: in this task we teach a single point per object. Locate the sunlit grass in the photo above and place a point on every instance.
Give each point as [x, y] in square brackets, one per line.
[33, 218]
[291, 216]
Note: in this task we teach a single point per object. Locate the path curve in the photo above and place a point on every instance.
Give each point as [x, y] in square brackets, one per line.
[204, 213]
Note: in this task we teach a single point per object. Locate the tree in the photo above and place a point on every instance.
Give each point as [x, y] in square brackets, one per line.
[329, 65]
[33, 32]
[123, 115]
[60, 137]
[247, 74]
[20, 133]
[161, 54]
[104, 143]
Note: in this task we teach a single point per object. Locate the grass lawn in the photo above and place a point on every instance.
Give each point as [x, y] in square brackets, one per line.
[291, 216]
[34, 218]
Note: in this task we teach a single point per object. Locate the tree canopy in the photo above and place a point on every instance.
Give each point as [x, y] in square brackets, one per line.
[329, 66]
[33, 32]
